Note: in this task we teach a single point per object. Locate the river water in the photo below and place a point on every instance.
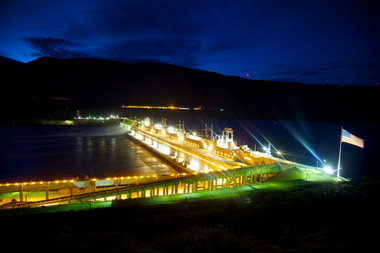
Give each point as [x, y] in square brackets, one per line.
[48, 153]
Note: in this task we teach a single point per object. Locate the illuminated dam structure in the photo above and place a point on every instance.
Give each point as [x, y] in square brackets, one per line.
[207, 163]
[194, 153]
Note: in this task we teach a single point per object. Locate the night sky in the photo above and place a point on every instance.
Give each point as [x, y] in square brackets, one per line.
[321, 41]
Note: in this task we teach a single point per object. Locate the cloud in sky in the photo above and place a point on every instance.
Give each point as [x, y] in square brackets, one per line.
[53, 47]
[230, 37]
[362, 66]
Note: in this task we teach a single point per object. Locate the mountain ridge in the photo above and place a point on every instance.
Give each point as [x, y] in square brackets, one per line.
[7, 60]
[104, 83]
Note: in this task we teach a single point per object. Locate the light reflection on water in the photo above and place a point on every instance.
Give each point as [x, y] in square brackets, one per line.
[65, 152]
[45, 153]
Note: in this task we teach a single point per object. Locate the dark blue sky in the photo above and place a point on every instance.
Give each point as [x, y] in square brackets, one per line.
[321, 41]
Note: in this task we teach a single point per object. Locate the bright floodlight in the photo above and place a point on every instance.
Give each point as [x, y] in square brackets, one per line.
[158, 126]
[328, 170]
[279, 153]
[171, 130]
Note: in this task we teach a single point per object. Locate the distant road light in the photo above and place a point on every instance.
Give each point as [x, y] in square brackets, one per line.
[198, 108]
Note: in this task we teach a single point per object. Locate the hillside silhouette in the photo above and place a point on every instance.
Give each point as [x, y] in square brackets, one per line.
[70, 84]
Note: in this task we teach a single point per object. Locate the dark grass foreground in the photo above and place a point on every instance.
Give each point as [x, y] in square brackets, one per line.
[313, 218]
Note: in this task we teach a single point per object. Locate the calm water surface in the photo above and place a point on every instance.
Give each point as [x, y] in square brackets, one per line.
[46, 153]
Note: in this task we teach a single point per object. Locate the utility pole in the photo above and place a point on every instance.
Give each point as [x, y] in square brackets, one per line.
[340, 154]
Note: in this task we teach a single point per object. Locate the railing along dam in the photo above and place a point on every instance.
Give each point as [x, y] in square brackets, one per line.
[180, 184]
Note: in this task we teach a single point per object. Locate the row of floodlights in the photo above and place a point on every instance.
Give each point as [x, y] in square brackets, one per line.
[95, 179]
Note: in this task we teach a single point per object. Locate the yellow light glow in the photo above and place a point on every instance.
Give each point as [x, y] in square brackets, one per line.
[161, 107]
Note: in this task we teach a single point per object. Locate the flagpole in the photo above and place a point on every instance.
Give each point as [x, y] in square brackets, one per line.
[340, 153]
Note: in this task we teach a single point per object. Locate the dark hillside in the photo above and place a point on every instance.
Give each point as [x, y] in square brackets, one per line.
[6, 60]
[315, 218]
[68, 84]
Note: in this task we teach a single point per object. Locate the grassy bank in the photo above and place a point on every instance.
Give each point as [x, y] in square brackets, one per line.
[314, 217]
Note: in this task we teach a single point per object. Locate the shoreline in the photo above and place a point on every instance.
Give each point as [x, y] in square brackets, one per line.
[73, 123]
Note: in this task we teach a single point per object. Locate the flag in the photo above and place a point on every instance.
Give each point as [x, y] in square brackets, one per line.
[352, 139]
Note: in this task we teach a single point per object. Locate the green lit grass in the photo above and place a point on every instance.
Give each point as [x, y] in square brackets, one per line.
[222, 194]
[9, 195]
[61, 208]
[286, 181]
[30, 196]
[219, 194]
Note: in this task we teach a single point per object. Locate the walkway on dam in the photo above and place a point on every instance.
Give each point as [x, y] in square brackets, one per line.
[179, 185]
[228, 163]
